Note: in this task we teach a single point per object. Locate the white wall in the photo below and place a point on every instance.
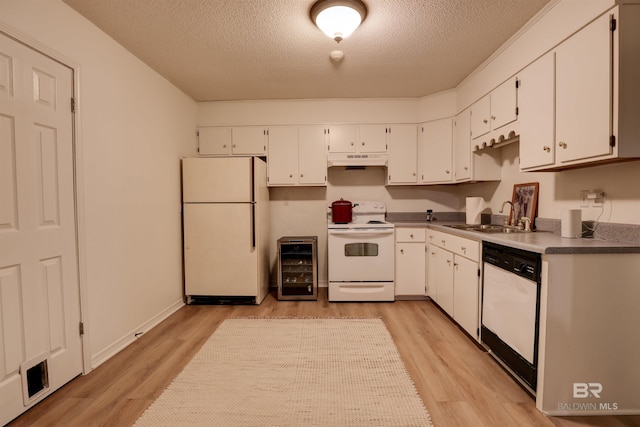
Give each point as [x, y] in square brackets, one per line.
[134, 127]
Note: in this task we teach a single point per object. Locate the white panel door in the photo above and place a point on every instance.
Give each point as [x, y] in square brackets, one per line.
[39, 294]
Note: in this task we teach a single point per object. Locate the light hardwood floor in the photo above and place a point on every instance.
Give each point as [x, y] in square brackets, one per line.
[460, 384]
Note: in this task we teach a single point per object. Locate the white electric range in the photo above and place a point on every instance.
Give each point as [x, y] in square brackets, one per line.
[361, 255]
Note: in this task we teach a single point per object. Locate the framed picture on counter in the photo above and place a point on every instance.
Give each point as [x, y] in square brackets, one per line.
[525, 202]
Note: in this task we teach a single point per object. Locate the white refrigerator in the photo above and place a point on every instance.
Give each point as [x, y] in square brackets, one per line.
[226, 229]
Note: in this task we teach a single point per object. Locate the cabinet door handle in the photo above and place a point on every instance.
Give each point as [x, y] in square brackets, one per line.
[485, 121]
[402, 251]
[444, 242]
[562, 144]
[546, 148]
[301, 175]
[464, 250]
[363, 143]
[290, 175]
[447, 171]
[493, 117]
[411, 235]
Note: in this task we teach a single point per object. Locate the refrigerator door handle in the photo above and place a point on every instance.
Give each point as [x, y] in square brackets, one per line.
[253, 225]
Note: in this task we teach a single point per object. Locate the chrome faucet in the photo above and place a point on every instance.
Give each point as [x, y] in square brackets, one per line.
[512, 213]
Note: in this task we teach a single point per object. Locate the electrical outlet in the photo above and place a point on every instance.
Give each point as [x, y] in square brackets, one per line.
[584, 200]
[598, 197]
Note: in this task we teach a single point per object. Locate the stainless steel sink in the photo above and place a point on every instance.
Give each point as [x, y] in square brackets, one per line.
[489, 228]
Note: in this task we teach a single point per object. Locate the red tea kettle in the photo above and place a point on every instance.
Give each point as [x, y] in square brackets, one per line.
[341, 211]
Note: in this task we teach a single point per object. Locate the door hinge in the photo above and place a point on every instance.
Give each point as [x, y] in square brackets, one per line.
[517, 83]
[612, 141]
[613, 24]
[517, 111]
[73, 105]
[478, 272]
[81, 328]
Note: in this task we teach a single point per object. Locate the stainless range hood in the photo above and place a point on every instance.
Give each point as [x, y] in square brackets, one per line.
[352, 159]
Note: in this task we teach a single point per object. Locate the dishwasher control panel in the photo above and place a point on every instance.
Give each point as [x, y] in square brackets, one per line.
[523, 263]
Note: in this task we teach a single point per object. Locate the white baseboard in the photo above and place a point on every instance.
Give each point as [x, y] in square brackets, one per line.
[106, 354]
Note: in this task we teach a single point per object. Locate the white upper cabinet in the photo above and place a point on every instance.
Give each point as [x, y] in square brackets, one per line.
[297, 156]
[462, 146]
[504, 104]
[578, 103]
[584, 110]
[312, 155]
[372, 138]
[357, 138]
[282, 164]
[214, 141]
[483, 165]
[226, 141]
[249, 140]
[480, 115]
[495, 110]
[536, 101]
[402, 141]
[435, 151]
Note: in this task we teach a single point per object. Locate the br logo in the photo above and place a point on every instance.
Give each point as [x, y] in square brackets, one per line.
[584, 390]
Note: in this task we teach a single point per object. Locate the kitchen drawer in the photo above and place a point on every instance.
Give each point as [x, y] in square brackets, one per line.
[410, 234]
[459, 245]
[464, 247]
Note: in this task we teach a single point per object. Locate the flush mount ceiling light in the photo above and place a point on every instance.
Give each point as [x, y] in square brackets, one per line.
[338, 18]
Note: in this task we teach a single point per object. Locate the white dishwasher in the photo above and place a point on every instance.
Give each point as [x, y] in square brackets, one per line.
[511, 309]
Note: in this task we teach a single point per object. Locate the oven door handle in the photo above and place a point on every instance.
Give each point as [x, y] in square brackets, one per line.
[362, 232]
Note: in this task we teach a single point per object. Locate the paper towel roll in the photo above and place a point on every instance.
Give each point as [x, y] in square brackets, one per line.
[474, 208]
[571, 223]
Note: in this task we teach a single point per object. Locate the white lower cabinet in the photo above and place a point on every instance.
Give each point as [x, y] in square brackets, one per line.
[466, 291]
[453, 265]
[410, 262]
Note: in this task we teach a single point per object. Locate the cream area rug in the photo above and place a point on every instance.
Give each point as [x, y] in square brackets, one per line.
[292, 372]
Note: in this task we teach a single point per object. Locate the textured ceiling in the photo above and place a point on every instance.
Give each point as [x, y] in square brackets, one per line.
[269, 49]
